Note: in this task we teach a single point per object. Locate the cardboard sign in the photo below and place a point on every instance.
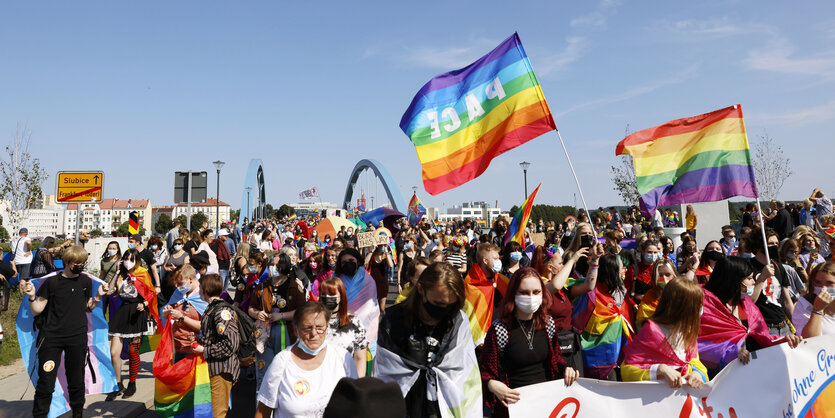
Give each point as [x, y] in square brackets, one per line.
[538, 238]
[382, 239]
[366, 239]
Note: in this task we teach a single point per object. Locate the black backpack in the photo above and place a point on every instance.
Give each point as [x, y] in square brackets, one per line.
[246, 331]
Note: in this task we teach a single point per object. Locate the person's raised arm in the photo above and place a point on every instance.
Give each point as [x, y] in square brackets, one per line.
[591, 276]
[558, 281]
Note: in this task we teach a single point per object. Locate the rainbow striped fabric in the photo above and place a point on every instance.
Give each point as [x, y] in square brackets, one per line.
[416, 210]
[460, 120]
[516, 232]
[605, 329]
[182, 389]
[703, 158]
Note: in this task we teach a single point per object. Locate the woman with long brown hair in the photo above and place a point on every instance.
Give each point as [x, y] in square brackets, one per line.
[666, 348]
[344, 329]
[814, 314]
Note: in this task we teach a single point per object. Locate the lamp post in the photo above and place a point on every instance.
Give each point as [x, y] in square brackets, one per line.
[525, 165]
[218, 165]
[248, 203]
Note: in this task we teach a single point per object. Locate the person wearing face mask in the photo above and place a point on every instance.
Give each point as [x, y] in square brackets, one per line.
[108, 269]
[521, 347]
[344, 330]
[133, 314]
[177, 256]
[604, 318]
[638, 277]
[663, 271]
[426, 337]
[512, 258]
[249, 279]
[272, 305]
[666, 348]
[378, 263]
[301, 379]
[146, 259]
[419, 264]
[60, 303]
[408, 251]
[732, 325]
[810, 253]
[729, 241]
[772, 293]
[814, 314]
[456, 254]
[326, 270]
[486, 277]
[183, 312]
[361, 292]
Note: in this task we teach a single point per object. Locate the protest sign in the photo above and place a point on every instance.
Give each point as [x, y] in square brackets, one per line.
[366, 239]
[777, 382]
[538, 238]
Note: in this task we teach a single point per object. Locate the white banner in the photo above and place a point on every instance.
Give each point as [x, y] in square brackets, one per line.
[309, 194]
[777, 382]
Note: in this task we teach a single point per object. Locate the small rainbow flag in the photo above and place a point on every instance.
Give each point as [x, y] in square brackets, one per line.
[830, 230]
[416, 210]
[459, 121]
[703, 158]
[516, 232]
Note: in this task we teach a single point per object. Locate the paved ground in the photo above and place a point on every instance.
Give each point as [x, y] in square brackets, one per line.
[141, 405]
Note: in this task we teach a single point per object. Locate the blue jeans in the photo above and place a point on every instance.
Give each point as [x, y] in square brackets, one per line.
[224, 276]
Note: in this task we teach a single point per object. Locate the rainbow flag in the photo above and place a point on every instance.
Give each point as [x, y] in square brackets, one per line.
[704, 158]
[416, 210]
[516, 232]
[181, 389]
[460, 120]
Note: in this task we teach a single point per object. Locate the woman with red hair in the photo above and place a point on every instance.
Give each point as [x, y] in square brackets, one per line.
[344, 329]
[521, 347]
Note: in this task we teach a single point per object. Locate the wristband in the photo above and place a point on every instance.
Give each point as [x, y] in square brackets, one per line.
[32, 299]
[817, 312]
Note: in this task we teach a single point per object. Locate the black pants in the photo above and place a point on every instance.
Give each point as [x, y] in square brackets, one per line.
[49, 358]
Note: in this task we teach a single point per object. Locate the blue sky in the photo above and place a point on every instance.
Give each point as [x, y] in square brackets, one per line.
[141, 90]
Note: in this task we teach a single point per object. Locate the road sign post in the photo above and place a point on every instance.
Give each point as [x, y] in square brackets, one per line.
[79, 187]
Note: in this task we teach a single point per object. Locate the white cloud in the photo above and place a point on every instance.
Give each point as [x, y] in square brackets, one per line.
[634, 92]
[714, 28]
[598, 17]
[549, 64]
[778, 56]
[820, 113]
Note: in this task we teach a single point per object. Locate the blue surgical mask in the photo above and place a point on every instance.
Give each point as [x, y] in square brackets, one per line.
[154, 247]
[131, 246]
[515, 256]
[178, 247]
[748, 255]
[497, 266]
[184, 289]
[651, 258]
[407, 246]
[307, 349]
[808, 248]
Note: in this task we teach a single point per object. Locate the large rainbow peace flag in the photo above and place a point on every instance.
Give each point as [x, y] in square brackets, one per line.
[516, 232]
[99, 376]
[703, 158]
[460, 120]
[182, 389]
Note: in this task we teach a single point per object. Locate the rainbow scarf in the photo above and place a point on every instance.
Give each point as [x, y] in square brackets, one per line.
[606, 330]
[476, 308]
[459, 121]
[181, 390]
[477, 279]
[651, 347]
[100, 364]
[703, 158]
[516, 232]
[649, 303]
[362, 302]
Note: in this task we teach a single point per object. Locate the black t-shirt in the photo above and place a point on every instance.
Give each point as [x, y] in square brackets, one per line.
[770, 301]
[188, 246]
[66, 308]
[6, 270]
[148, 257]
[523, 365]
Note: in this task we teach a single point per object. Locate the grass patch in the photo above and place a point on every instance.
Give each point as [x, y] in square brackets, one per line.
[10, 351]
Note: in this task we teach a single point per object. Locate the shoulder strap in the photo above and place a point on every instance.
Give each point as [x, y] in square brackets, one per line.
[551, 328]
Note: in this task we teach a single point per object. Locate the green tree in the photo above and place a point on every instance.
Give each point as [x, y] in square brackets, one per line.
[96, 233]
[124, 230]
[269, 211]
[197, 220]
[4, 234]
[183, 221]
[284, 211]
[236, 214]
[164, 223]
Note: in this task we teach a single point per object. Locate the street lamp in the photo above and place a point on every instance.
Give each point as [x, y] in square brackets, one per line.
[248, 204]
[218, 165]
[525, 165]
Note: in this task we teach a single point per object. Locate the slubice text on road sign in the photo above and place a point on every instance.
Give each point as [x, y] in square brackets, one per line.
[80, 186]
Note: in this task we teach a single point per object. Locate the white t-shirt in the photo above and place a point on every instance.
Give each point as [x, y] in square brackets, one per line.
[18, 245]
[293, 392]
[802, 312]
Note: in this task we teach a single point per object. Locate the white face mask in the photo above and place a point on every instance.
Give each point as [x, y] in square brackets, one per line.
[528, 304]
[129, 264]
[749, 291]
[830, 290]
[111, 253]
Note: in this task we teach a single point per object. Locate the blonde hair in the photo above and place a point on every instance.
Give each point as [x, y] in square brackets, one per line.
[75, 254]
[801, 231]
[183, 272]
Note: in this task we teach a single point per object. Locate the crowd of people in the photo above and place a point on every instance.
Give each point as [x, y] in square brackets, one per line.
[477, 316]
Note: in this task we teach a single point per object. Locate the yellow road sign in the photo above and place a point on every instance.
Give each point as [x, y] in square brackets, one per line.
[84, 186]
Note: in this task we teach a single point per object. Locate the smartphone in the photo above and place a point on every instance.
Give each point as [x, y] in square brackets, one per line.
[586, 241]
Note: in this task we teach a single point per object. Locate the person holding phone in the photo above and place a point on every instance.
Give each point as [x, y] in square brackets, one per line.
[582, 238]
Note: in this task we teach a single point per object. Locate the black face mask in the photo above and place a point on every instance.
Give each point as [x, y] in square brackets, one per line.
[349, 268]
[77, 269]
[438, 312]
[772, 252]
[714, 255]
[329, 302]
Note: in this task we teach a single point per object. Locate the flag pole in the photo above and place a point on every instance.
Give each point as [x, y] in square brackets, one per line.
[574, 173]
[762, 229]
